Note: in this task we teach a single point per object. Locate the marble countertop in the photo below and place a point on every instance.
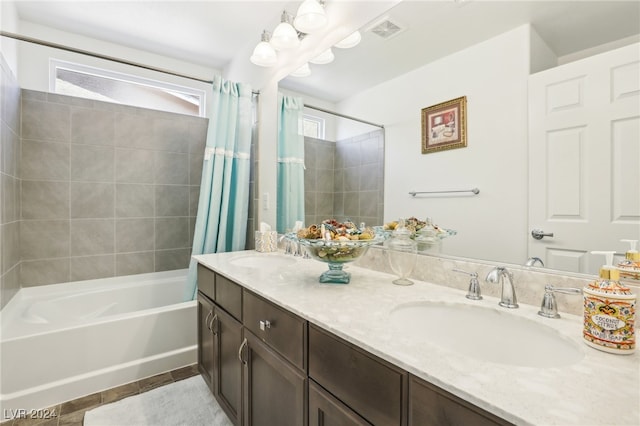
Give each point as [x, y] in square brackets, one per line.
[600, 389]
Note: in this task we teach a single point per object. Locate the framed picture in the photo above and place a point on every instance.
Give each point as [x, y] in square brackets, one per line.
[444, 126]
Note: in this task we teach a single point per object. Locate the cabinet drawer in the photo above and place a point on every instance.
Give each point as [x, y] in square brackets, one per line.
[325, 410]
[229, 296]
[373, 388]
[431, 406]
[283, 331]
[206, 281]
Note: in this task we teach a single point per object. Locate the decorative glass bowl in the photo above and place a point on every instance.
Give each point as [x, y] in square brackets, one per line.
[336, 253]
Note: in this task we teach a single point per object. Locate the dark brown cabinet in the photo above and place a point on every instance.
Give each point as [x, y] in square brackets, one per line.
[268, 367]
[228, 369]
[431, 406]
[326, 410]
[371, 387]
[274, 390]
[205, 340]
[219, 337]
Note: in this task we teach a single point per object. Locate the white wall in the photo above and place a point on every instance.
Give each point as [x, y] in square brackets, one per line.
[9, 23]
[34, 60]
[493, 76]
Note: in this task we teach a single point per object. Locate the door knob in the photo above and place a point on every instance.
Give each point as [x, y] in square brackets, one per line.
[539, 234]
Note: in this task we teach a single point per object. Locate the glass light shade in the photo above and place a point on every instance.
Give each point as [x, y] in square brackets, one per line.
[303, 71]
[310, 17]
[264, 55]
[285, 36]
[323, 58]
[350, 41]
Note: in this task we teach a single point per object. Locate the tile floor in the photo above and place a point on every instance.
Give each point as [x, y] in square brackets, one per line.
[71, 413]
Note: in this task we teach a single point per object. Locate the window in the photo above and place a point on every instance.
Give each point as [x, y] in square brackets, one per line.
[313, 126]
[71, 79]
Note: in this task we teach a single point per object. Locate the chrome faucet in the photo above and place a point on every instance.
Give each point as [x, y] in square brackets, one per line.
[533, 261]
[508, 298]
[549, 306]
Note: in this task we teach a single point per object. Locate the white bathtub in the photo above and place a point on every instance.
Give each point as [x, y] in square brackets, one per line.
[63, 341]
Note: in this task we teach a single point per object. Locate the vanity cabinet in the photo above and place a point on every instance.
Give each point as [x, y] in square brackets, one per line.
[205, 339]
[371, 387]
[268, 367]
[274, 390]
[431, 406]
[219, 337]
[326, 410]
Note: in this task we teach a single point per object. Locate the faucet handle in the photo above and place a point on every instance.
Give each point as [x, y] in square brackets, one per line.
[474, 285]
[549, 306]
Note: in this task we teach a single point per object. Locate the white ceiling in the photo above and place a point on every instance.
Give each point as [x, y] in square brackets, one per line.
[211, 33]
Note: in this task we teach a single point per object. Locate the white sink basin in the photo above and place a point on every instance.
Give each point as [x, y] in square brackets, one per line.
[486, 334]
[262, 262]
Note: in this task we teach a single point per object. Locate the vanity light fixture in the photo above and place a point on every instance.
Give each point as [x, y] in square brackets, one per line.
[310, 17]
[284, 35]
[323, 58]
[264, 55]
[303, 71]
[349, 41]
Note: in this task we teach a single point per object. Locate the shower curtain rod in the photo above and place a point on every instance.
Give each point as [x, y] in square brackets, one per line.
[343, 116]
[101, 56]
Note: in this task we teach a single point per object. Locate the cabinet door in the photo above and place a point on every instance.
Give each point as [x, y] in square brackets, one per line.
[228, 384]
[274, 390]
[370, 386]
[205, 340]
[432, 406]
[325, 410]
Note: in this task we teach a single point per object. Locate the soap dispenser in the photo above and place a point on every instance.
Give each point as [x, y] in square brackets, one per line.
[630, 266]
[609, 311]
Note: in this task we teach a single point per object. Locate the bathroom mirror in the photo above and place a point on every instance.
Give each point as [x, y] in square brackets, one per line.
[433, 32]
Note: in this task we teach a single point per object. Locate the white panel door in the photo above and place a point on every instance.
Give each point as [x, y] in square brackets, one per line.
[584, 159]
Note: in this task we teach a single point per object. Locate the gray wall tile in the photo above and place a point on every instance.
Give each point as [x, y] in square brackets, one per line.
[41, 239]
[9, 285]
[135, 235]
[172, 200]
[171, 134]
[45, 200]
[135, 263]
[45, 121]
[92, 236]
[92, 267]
[95, 171]
[44, 271]
[135, 200]
[92, 163]
[92, 200]
[10, 238]
[135, 166]
[92, 126]
[44, 160]
[171, 168]
[172, 233]
[167, 260]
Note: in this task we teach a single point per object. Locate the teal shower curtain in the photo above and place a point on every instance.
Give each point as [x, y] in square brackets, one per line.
[290, 163]
[221, 221]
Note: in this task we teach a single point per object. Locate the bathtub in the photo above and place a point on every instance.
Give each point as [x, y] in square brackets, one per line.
[63, 341]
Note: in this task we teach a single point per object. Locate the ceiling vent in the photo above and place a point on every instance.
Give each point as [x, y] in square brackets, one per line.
[387, 28]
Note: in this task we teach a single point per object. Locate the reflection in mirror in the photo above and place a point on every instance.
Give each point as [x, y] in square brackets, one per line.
[491, 64]
[343, 175]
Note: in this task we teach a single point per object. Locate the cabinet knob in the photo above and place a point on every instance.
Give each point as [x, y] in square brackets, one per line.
[265, 324]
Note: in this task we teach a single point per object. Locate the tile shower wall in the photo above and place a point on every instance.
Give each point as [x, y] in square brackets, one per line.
[10, 183]
[345, 179]
[107, 190]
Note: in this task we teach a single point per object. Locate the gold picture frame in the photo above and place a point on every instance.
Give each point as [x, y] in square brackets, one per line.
[444, 126]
